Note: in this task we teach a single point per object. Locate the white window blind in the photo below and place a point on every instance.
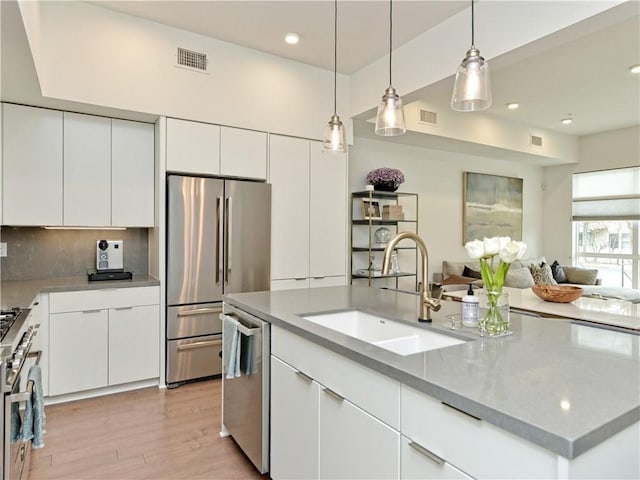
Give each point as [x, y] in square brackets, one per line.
[607, 195]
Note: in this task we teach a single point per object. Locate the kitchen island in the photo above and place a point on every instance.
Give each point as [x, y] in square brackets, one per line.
[552, 400]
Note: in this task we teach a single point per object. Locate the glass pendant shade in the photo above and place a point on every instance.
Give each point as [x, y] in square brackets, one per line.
[472, 87]
[334, 139]
[390, 118]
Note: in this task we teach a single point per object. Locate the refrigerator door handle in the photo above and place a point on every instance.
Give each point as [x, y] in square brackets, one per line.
[218, 238]
[227, 243]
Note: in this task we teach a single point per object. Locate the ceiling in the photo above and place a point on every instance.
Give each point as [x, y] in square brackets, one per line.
[586, 75]
[582, 70]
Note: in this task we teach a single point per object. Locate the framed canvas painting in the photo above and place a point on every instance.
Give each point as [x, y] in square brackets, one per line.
[492, 207]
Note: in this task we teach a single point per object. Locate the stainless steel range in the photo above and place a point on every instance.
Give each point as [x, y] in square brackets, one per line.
[16, 357]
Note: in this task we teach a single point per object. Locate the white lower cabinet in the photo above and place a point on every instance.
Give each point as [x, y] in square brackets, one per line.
[354, 444]
[418, 463]
[100, 338]
[77, 351]
[134, 347]
[294, 423]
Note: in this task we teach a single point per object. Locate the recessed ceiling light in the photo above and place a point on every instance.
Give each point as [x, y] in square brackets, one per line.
[292, 38]
[512, 105]
[567, 120]
[634, 68]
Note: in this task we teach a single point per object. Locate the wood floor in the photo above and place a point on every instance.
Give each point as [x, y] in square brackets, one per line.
[149, 433]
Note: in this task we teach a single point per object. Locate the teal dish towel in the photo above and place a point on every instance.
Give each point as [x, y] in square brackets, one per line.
[16, 420]
[231, 346]
[248, 360]
[33, 427]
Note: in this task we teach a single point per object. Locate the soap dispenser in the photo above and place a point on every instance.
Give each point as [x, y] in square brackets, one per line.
[470, 308]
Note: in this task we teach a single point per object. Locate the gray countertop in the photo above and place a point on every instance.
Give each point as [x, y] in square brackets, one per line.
[20, 293]
[563, 386]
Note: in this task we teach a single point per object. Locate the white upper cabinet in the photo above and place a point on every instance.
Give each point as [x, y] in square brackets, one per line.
[87, 170]
[32, 166]
[289, 177]
[243, 153]
[328, 213]
[75, 170]
[193, 147]
[132, 174]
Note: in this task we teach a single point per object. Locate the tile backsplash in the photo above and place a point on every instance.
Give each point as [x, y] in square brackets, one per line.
[36, 253]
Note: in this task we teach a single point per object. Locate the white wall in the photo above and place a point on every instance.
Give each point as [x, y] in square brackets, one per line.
[601, 151]
[85, 53]
[437, 177]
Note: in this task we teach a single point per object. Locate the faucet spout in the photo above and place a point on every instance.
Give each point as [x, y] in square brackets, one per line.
[426, 302]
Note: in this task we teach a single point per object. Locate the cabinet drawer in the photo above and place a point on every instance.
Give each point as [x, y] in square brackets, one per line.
[371, 391]
[101, 299]
[474, 446]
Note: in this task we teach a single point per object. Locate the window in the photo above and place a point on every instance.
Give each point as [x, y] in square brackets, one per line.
[606, 219]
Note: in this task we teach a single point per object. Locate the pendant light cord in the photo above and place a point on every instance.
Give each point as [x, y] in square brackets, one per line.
[335, 56]
[472, 26]
[390, 36]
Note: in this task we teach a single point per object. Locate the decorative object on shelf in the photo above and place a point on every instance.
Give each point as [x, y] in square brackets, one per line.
[392, 212]
[557, 293]
[395, 264]
[371, 209]
[334, 139]
[390, 117]
[472, 87]
[385, 179]
[492, 205]
[382, 235]
[494, 303]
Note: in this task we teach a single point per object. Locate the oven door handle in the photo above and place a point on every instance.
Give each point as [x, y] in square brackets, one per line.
[24, 396]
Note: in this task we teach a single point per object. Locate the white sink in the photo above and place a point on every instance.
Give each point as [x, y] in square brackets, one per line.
[388, 334]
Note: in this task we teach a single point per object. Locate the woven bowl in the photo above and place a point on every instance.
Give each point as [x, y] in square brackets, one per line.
[557, 293]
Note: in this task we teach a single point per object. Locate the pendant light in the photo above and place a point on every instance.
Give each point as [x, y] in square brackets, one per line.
[334, 132]
[472, 88]
[390, 118]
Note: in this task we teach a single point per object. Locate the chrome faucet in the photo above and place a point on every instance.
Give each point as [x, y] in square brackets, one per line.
[426, 302]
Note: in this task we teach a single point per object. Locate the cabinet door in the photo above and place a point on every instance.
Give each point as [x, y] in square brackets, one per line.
[134, 344]
[87, 170]
[294, 423]
[132, 174]
[77, 351]
[243, 153]
[193, 147]
[32, 166]
[355, 445]
[289, 172]
[327, 213]
[416, 463]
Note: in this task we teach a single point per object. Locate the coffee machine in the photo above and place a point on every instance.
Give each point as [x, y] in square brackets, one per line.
[109, 261]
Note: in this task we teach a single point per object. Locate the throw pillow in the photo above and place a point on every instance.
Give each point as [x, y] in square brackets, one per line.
[470, 273]
[542, 275]
[519, 278]
[581, 276]
[457, 280]
[558, 272]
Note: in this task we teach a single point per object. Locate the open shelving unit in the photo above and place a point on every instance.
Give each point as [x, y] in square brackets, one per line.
[366, 253]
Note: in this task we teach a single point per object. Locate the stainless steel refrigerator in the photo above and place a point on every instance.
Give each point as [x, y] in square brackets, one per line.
[218, 241]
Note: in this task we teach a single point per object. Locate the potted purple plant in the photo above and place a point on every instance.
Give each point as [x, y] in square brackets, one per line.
[385, 179]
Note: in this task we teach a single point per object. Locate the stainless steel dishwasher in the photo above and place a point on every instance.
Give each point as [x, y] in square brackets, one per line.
[245, 399]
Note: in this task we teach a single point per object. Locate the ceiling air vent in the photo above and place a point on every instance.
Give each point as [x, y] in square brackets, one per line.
[193, 60]
[535, 141]
[428, 118]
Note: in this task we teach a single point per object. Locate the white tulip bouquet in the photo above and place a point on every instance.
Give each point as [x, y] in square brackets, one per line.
[495, 321]
[486, 250]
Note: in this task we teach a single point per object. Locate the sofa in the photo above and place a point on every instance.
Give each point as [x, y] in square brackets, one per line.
[520, 276]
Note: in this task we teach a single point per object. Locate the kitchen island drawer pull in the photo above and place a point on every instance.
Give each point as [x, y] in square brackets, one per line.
[207, 343]
[304, 376]
[462, 411]
[427, 453]
[199, 311]
[91, 311]
[333, 394]
[124, 308]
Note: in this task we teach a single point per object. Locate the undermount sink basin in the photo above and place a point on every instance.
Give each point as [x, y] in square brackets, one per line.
[388, 334]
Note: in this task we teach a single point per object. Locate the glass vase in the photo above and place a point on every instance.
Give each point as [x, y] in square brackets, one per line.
[494, 313]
